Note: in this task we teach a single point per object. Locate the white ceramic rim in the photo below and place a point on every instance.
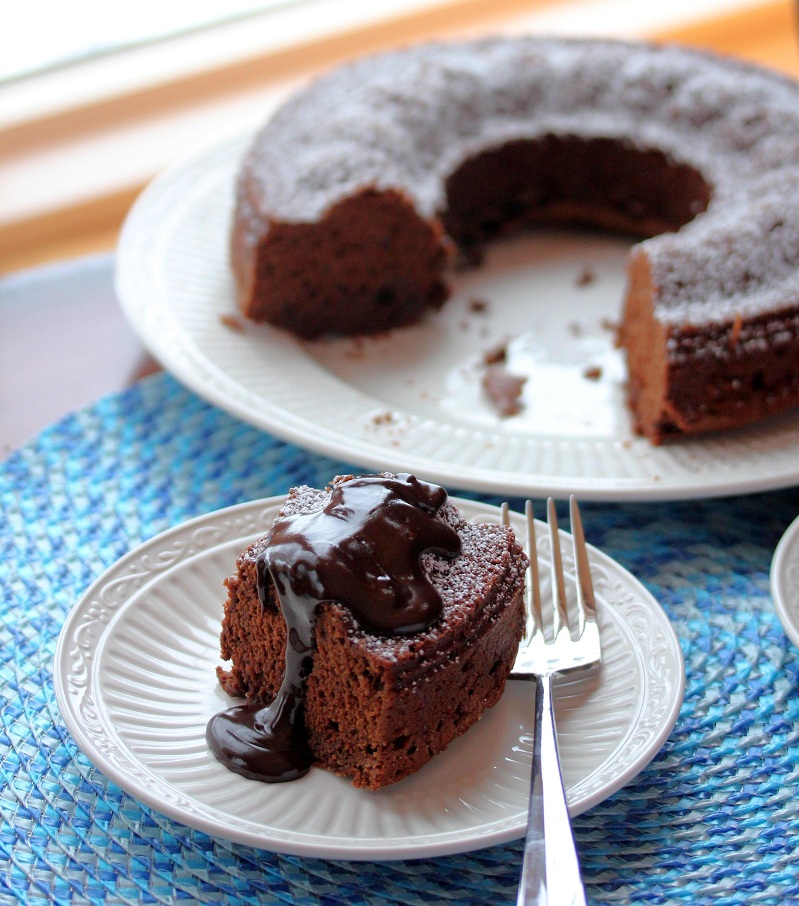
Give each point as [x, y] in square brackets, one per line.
[80, 654]
[784, 581]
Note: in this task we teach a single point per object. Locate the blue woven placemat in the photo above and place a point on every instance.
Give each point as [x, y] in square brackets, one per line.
[713, 819]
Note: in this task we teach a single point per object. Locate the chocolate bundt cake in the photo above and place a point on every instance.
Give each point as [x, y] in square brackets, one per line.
[403, 621]
[353, 197]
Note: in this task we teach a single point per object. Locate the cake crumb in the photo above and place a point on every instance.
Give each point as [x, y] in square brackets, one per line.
[478, 306]
[575, 329]
[586, 277]
[232, 322]
[383, 418]
[504, 389]
[496, 356]
[592, 372]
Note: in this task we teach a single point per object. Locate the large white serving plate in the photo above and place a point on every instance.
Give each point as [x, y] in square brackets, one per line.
[135, 680]
[784, 581]
[412, 400]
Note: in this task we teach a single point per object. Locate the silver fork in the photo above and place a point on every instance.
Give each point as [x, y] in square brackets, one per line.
[551, 869]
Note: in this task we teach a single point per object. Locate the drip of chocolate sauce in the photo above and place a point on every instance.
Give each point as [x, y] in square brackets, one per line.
[361, 550]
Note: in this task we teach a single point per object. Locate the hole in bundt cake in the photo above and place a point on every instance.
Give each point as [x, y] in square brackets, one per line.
[602, 182]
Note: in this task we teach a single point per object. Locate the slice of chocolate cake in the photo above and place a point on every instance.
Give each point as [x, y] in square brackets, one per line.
[404, 624]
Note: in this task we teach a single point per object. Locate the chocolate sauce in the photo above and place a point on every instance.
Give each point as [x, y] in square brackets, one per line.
[361, 550]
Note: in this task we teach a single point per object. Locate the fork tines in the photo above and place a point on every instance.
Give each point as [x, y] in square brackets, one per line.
[587, 629]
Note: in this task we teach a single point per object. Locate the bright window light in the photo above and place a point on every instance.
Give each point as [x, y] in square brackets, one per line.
[40, 35]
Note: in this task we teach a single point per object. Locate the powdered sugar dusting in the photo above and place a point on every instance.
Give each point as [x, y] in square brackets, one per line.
[408, 119]
[738, 260]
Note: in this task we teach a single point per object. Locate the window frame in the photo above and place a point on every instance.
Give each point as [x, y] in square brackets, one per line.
[78, 144]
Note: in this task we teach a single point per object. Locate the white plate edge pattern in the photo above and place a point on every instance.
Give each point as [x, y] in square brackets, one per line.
[784, 581]
[80, 642]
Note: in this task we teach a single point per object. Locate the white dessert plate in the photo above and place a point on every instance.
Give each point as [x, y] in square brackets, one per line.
[135, 681]
[412, 400]
[784, 580]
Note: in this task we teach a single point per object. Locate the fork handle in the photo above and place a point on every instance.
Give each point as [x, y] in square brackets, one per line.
[550, 870]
